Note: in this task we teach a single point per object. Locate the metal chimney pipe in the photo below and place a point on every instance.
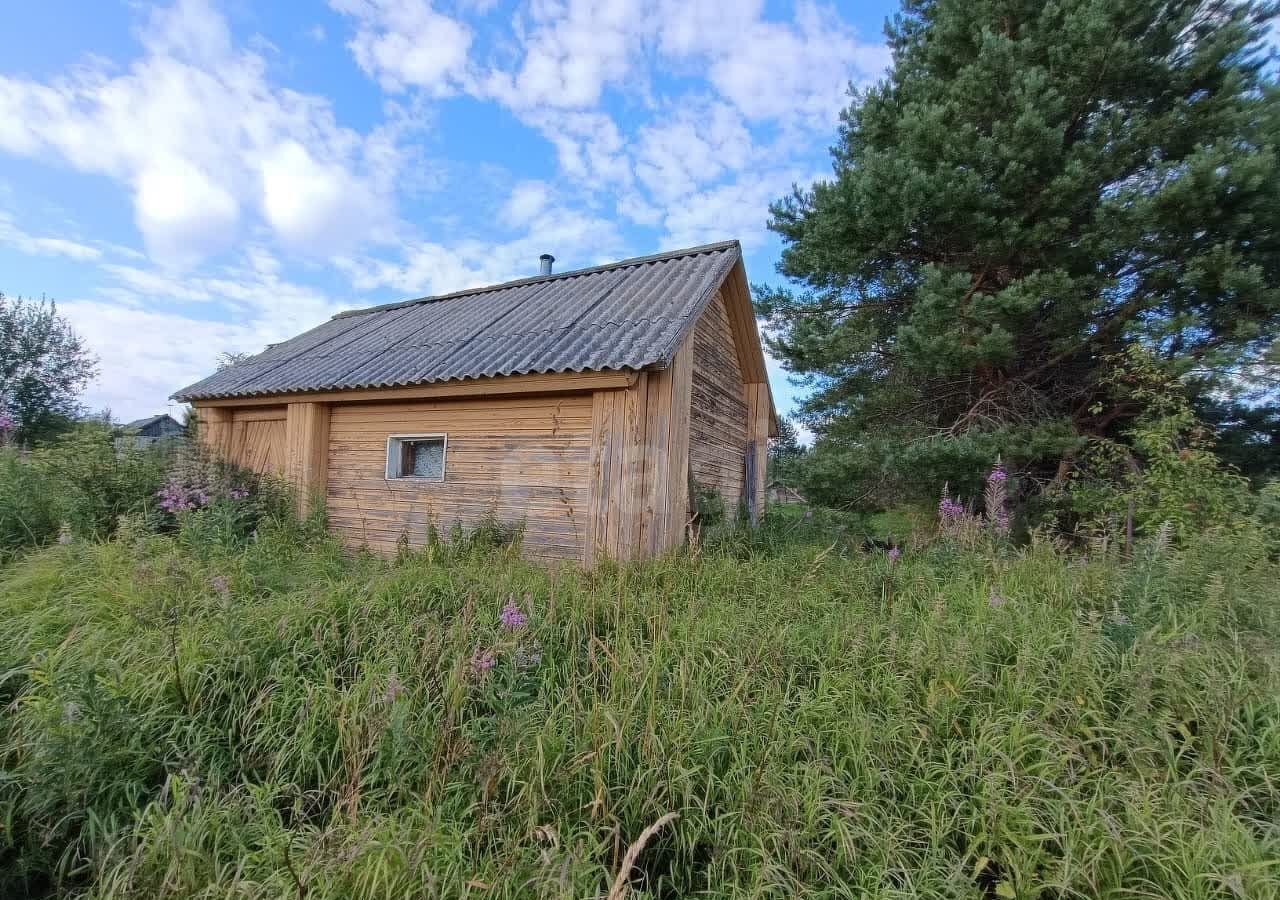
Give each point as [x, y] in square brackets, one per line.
[545, 261]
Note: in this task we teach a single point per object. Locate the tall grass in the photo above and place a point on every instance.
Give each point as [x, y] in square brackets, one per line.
[286, 720]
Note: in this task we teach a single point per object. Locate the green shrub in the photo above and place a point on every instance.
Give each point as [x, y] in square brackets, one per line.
[80, 481]
[93, 483]
[282, 718]
[27, 514]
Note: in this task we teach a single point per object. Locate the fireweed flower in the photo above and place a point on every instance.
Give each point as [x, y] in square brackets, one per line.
[996, 498]
[512, 618]
[950, 509]
[894, 553]
[7, 422]
[995, 601]
[482, 661]
[221, 585]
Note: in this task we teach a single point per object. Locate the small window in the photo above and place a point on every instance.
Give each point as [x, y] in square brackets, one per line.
[416, 456]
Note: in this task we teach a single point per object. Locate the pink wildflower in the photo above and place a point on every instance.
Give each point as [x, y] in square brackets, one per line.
[512, 618]
[894, 554]
[482, 661]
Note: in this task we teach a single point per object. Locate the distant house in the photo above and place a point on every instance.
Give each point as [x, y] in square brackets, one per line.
[143, 432]
[777, 492]
[581, 404]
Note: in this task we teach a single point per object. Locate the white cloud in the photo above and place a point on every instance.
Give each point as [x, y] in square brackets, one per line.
[427, 268]
[527, 200]
[182, 212]
[143, 356]
[574, 50]
[800, 70]
[199, 135]
[156, 332]
[407, 43]
[14, 236]
[695, 145]
[737, 209]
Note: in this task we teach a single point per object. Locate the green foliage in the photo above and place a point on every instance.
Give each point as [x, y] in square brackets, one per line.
[27, 514]
[81, 482]
[786, 455]
[1247, 434]
[217, 503]
[44, 365]
[1163, 471]
[1034, 188]
[92, 483]
[286, 719]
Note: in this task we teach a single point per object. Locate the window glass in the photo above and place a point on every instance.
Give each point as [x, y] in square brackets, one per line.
[416, 457]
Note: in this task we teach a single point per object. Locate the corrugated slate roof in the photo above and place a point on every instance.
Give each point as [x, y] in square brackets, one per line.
[625, 315]
[139, 424]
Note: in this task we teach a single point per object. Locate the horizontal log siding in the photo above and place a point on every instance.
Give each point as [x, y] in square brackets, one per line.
[718, 415]
[521, 458]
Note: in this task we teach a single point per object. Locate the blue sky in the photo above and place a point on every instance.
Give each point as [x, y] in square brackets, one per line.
[193, 178]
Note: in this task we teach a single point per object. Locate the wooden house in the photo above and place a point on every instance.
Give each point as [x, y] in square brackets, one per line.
[777, 492]
[144, 432]
[581, 404]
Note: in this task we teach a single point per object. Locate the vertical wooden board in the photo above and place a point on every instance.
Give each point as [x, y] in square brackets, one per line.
[598, 478]
[614, 506]
[306, 450]
[634, 401]
[760, 425]
[653, 512]
[215, 428]
[678, 446]
[236, 443]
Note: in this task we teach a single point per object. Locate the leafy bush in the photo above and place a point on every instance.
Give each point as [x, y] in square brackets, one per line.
[80, 482]
[217, 503]
[283, 718]
[27, 515]
[1166, 470]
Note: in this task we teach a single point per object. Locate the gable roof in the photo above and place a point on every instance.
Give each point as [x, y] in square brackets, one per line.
[630, 314]
[141, 424]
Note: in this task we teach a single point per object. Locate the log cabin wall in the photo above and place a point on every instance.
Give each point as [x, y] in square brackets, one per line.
[522, 458]
[718, 422]
[639, 473]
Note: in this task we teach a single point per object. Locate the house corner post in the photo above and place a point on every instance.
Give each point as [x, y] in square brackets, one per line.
[307, 452]
[758, 412]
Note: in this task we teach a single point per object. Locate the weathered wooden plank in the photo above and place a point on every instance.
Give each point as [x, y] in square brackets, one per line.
[307, 451]
[719, 410]
[678, 454]
[654, 487]
[471, 387]
[215, 428]
[634, 402]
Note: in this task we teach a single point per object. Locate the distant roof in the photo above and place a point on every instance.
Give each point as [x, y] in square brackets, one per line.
[140, 424]
[631, 314]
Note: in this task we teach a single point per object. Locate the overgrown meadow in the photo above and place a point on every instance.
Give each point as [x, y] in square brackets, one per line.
[278, 718]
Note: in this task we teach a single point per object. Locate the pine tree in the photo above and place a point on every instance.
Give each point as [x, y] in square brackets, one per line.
[1033, 189]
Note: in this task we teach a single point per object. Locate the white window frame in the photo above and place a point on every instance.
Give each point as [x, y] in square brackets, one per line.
[395, 440]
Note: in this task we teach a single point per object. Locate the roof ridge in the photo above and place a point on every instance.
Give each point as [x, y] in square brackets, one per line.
[537, 279]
